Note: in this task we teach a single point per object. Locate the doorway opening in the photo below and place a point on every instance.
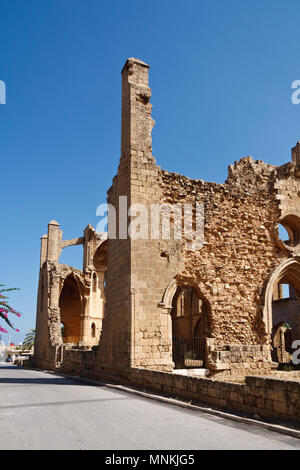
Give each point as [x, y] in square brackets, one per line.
[70, 310]
[190, 328]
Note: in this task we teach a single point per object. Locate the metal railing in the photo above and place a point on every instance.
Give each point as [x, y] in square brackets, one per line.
[188, 353]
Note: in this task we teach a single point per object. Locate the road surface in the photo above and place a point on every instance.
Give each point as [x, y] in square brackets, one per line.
[43, 411]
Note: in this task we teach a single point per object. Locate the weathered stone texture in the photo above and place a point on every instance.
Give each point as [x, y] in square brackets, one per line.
[263, 396]
[235, 275]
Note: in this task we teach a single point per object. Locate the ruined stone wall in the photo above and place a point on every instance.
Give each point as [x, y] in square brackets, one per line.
[287, 189]
[265, 396]
[238, 253]
[150, 270]
[116, 341]
[64, 296]
[42, 344]
[276, 397]
[231, 271]
[114, 347]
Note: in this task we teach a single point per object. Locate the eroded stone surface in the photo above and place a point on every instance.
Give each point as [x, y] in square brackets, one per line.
[234, 274]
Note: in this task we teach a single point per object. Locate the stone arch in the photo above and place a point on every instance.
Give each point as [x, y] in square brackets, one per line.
[282, 313]
[77, 275]
[100, 266]
[169, 294]
[96, 304]
[70, 305]
[100, 257]
[291, 223]
[288, 270]
[183, 324]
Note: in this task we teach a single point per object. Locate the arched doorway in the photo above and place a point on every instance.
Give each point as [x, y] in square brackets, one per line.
[99, 278]
[70, 310]
[190, 328]
[96, 305]
[100, 257]
[282, 310]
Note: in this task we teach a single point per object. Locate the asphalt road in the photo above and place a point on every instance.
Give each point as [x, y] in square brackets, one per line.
[43, 411]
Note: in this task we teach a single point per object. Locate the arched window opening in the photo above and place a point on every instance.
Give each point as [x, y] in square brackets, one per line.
[186, 302]
[100, 258]
[70, 310]
[289, 230]
[190, 328]
[93, 330]
[97, 304]
[283, 234]
[285, 314]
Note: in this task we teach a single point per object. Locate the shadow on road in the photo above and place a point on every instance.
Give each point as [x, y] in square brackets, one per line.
[50, 379]
[59, 403]
[46, 381]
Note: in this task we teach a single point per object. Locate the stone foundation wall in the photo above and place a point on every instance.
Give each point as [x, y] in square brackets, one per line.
[276, 397]
[287, 375]
[264, 396]
[235, 361]
[87, 364]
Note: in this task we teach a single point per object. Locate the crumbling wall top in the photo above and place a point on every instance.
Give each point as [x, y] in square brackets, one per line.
[132, 60]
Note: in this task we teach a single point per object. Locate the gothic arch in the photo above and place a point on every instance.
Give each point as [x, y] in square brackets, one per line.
[289, 272]
[100, 257]
[194, 313]
[70, 305]
[169, 294]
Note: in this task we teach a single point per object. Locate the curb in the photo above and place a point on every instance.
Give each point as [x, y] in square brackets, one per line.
[173, 401]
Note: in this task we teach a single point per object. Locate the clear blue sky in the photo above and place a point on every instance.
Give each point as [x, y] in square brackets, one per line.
[221, 75]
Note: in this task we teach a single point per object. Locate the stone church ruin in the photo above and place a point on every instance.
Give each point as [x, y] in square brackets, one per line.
[154, 312]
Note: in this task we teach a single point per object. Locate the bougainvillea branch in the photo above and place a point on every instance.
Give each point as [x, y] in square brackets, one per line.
[6, 309]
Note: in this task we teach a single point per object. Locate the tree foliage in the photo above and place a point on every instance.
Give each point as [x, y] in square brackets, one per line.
[5, 309]
[29, 340]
